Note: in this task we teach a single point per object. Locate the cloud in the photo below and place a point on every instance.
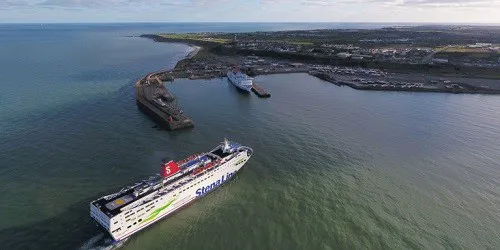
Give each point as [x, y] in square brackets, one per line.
[319, 2]
[448, 3]
[99, 4]
[79, 3]
[121, 4]
[95, 4]
[410, 3]
[125, 3]
[15, 3]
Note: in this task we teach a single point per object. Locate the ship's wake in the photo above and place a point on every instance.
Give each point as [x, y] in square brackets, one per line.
[102, 242]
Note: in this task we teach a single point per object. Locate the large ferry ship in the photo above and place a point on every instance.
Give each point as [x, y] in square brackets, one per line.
[179, 183]
[240, 80]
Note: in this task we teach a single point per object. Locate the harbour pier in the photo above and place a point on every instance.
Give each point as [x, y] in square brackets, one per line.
[259, 91]
[153, 98]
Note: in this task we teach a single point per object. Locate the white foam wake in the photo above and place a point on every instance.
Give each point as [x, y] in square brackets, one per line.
[101, 242]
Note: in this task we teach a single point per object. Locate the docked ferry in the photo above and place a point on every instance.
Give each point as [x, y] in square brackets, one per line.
[240, 80]
[178, 184]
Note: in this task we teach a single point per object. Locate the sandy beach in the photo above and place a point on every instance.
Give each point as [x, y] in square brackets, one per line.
[194, 51]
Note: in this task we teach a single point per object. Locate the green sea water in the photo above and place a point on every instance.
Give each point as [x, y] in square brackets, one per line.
[333, 167]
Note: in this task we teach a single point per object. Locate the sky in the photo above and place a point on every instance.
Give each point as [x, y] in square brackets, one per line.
[83, 11]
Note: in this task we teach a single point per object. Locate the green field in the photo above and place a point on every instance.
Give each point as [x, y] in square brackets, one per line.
[195, 37]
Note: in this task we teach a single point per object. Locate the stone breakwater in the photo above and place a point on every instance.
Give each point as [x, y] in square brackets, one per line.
[154, 99]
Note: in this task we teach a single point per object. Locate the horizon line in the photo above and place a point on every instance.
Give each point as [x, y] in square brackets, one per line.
[270, 22]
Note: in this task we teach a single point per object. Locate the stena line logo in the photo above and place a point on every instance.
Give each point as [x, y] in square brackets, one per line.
[203, 190]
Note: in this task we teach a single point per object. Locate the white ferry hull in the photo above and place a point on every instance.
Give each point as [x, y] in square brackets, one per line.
[189, 198]
[240, 80]
[247, 87]
[166, 202]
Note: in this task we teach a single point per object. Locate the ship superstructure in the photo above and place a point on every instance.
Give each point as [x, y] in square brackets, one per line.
[179, 183]
[240, 80]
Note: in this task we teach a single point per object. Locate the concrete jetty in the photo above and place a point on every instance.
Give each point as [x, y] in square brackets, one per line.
[156, 100]
[259, 91]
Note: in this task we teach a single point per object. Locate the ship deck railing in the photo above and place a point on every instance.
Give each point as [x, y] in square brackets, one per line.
[173, 185]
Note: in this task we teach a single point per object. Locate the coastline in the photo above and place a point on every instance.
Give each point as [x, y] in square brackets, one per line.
[193, 52]
[206, 61]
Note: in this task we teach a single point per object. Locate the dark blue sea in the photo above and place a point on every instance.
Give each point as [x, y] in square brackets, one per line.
[333, 168]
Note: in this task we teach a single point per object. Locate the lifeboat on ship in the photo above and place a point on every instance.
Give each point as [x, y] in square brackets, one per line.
[208, 166]
[197, 171]
[190, 158]
[203, 168]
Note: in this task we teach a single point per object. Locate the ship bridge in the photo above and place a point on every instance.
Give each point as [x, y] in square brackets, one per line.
[228, 148]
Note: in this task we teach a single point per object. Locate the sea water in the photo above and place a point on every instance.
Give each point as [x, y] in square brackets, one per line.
[333, 167]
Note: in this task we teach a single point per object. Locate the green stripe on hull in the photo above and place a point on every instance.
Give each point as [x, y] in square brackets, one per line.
[157, 211]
